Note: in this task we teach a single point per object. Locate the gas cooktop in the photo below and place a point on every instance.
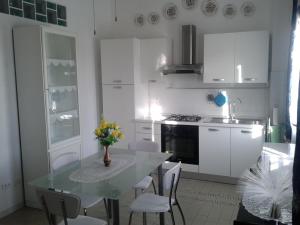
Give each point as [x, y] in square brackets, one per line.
[183, 118]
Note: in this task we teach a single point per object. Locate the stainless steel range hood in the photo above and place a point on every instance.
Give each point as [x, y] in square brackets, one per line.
[188, 65]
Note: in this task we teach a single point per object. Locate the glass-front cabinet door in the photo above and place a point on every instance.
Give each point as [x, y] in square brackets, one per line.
[61, 86]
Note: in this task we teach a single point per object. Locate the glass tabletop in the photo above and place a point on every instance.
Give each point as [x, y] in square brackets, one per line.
[90, 177]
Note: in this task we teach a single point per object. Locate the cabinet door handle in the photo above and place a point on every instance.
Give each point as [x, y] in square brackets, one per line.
[147, 139]
[246, 131]
[219, 79]
[249, 79]
[212, 130]
[117, 87]
[146, 128]
[117, 81]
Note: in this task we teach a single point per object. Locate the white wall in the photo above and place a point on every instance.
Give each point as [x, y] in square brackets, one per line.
[272, 15]
[80, 21]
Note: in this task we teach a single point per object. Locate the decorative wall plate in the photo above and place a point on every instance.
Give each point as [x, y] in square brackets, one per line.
[139, 20]
[209, 7]
[153, 18]
[229, 11]
[170, 11]
[189, 4]
[248, 9]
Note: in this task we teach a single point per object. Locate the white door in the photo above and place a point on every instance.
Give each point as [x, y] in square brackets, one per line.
[246, 147]
[118, 61]
[214, 150]
[155, 53]
[219, 58]
[252, 57]
[118, 106]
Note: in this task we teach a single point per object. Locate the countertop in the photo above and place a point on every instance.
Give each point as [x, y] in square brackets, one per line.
[203, 122]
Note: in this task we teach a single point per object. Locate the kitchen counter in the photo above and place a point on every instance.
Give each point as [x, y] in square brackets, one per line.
[203, 122]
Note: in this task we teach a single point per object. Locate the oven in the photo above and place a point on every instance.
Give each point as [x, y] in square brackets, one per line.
[182, 141]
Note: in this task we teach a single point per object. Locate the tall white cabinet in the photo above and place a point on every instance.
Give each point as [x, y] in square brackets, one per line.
[124, 97]
[46, 74]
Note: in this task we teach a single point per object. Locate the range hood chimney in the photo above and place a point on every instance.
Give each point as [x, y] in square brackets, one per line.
[188, 45]
[188, 54]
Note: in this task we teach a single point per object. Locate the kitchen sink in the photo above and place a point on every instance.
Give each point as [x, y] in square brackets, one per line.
[234, 121]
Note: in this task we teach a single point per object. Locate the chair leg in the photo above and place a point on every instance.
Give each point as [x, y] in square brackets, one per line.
[154, 188]
[172, 216]
[130, 218]
[144, 218]
[85, 211]
[181, 212]
[107, 212]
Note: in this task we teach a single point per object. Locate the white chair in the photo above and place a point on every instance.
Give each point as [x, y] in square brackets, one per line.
[66, 206]
[152, 203]
[145, 146]
[87, 201]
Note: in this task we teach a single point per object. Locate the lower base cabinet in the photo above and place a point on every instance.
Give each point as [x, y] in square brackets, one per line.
[246, 147]
[214, 150]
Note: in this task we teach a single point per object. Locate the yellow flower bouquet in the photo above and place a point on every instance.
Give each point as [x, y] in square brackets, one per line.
[108, 134]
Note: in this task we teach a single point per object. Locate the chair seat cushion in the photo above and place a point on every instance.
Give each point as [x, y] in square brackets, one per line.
[84, 220]
[144, 184]
[151, 203]
[88, 201]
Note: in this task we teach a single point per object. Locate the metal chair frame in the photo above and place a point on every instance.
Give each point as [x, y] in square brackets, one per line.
[176, 203]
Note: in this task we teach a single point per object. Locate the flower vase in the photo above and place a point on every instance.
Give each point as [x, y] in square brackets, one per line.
[106, 157]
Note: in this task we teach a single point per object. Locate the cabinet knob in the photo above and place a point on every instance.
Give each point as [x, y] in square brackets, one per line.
[213, 129]
[219, 79]
[147, 139]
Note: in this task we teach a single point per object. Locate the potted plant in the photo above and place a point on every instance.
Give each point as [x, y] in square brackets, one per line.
[108, 134]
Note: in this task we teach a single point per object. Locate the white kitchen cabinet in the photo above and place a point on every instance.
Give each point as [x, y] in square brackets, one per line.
[155, 53]
[149, 137]
[47, 99]
[219, 58]
[214, 150]
[246, 147]
[119, 61]
[241, 57]
[118, 106]
[252, 57]
[148, 131]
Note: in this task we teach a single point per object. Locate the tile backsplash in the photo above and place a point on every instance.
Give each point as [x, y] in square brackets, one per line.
[40, 10]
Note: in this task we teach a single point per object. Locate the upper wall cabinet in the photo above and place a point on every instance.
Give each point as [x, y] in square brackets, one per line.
[155, 53]
[119, 60]
[236, 57]
[252, 57]
[219, 58]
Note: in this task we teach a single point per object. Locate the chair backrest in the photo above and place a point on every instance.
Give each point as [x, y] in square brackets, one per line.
[145, 146]
[58, 203]
[168, 177]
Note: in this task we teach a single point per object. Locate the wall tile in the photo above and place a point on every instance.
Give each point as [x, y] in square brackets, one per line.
[40, 6]
[16, 12]
[15, 3]
[4, 6]
[29, 11]
[61, 12]
[52, 16]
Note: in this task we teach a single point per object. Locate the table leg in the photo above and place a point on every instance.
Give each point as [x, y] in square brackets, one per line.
[116, 212]
[161, 192]
[109, 208]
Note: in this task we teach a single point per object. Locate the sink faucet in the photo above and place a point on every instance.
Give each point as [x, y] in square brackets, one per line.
[232, 108]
